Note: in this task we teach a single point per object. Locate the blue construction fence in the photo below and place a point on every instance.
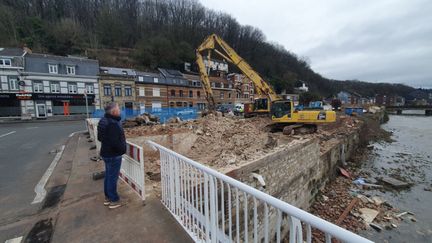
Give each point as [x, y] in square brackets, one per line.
[164, 114]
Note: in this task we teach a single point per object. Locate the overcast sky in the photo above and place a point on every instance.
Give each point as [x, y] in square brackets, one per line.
[370, 40]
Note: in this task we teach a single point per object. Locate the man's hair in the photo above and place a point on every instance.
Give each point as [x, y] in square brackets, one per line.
[109, 107]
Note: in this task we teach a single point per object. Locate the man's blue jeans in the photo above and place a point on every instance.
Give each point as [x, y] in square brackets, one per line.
[112, 170]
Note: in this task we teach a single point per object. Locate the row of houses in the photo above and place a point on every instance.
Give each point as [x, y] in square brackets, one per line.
[40, 85]
[353, 98]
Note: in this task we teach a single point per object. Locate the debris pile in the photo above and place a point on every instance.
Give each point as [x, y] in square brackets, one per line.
[223, 141]
[144, 119]
[352, 205]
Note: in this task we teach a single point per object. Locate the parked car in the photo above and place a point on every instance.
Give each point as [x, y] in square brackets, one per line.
[185, 112]
[225, 108]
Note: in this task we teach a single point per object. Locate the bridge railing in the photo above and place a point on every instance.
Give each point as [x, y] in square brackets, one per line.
[213, 207]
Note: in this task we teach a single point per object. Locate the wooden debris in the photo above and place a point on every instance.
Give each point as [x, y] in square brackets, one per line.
[346, 212]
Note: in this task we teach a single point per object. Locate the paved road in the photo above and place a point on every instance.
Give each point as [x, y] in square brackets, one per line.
[24, 158]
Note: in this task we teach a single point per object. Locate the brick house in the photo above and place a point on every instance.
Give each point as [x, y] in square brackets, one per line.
[243, 86]
[151, 90]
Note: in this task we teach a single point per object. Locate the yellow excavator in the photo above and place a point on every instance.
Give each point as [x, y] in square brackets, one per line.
[283, 112]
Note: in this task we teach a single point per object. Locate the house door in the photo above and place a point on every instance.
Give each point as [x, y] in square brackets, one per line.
[41, 111]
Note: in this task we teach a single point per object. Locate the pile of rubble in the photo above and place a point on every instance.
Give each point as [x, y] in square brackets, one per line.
[352, 205]
[144, 119]
[224, 141]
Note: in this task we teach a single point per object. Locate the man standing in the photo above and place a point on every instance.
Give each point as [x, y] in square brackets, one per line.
[111, 135]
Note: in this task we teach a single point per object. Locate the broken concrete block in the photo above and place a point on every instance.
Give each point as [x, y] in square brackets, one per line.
[377, 200]
[395, 182]
[368, 214]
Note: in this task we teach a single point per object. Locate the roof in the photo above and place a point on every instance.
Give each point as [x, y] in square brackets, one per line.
[11, 52]
[117, 71]
[38, 63]
[147, 74]
[192, 77]
[147, 77]
[63, 59]
[170, 73]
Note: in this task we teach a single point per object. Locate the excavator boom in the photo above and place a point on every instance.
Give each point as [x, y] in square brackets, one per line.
[262, 88]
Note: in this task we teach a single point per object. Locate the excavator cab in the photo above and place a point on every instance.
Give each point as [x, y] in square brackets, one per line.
[261, 104]
[281, 108]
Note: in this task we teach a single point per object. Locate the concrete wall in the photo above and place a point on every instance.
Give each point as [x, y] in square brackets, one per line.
[295, 174]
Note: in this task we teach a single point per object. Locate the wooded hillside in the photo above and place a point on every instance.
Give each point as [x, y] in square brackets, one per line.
[147, 34]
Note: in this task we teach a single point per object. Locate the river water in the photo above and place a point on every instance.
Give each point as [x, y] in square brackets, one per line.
[408, 158]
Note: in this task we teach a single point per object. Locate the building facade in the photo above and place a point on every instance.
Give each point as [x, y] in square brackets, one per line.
[151, 91]
[57, 85]
[223, 90]
[40, 86]
[11, 66]
[118, 85]
[349, 98]
[243, 86]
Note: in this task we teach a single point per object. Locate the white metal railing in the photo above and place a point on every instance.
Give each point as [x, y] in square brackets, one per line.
[213, 207]
[132, 168]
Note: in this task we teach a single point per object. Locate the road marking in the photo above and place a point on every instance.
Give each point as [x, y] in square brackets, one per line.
[32, 127]
[40, 187]
[70, 135]
[9, 133]
[14, 240]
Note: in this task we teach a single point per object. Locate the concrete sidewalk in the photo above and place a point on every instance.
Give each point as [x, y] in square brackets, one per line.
[82, 217]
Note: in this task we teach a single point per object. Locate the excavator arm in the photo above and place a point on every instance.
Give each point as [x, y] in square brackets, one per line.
[262, 88]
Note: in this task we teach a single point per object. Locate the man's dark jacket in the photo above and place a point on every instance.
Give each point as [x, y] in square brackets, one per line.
[111, 135]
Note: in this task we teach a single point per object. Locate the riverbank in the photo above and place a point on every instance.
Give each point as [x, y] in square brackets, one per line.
[399, 150]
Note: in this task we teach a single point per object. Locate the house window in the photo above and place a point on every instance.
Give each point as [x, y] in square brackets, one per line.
[140, 78]
[213, 84]
[156, 92]
[55, 88]
[190, 93]
[70, 70]
[141, 91]
[128, 90]
[5, 62]
[229, 95]
[90, 89]
[172, 93]
[181, 93]
[221, 95]
[52, 68]
[72, 88]
[156, 80]
[13, 83]
[117, 90]
[222, 85]
[37, 87]
[230, 86]
[107, 90]
[198, 94]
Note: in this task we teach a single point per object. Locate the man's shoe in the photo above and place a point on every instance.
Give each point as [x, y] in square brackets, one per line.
[107, 202]
[114, 205]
